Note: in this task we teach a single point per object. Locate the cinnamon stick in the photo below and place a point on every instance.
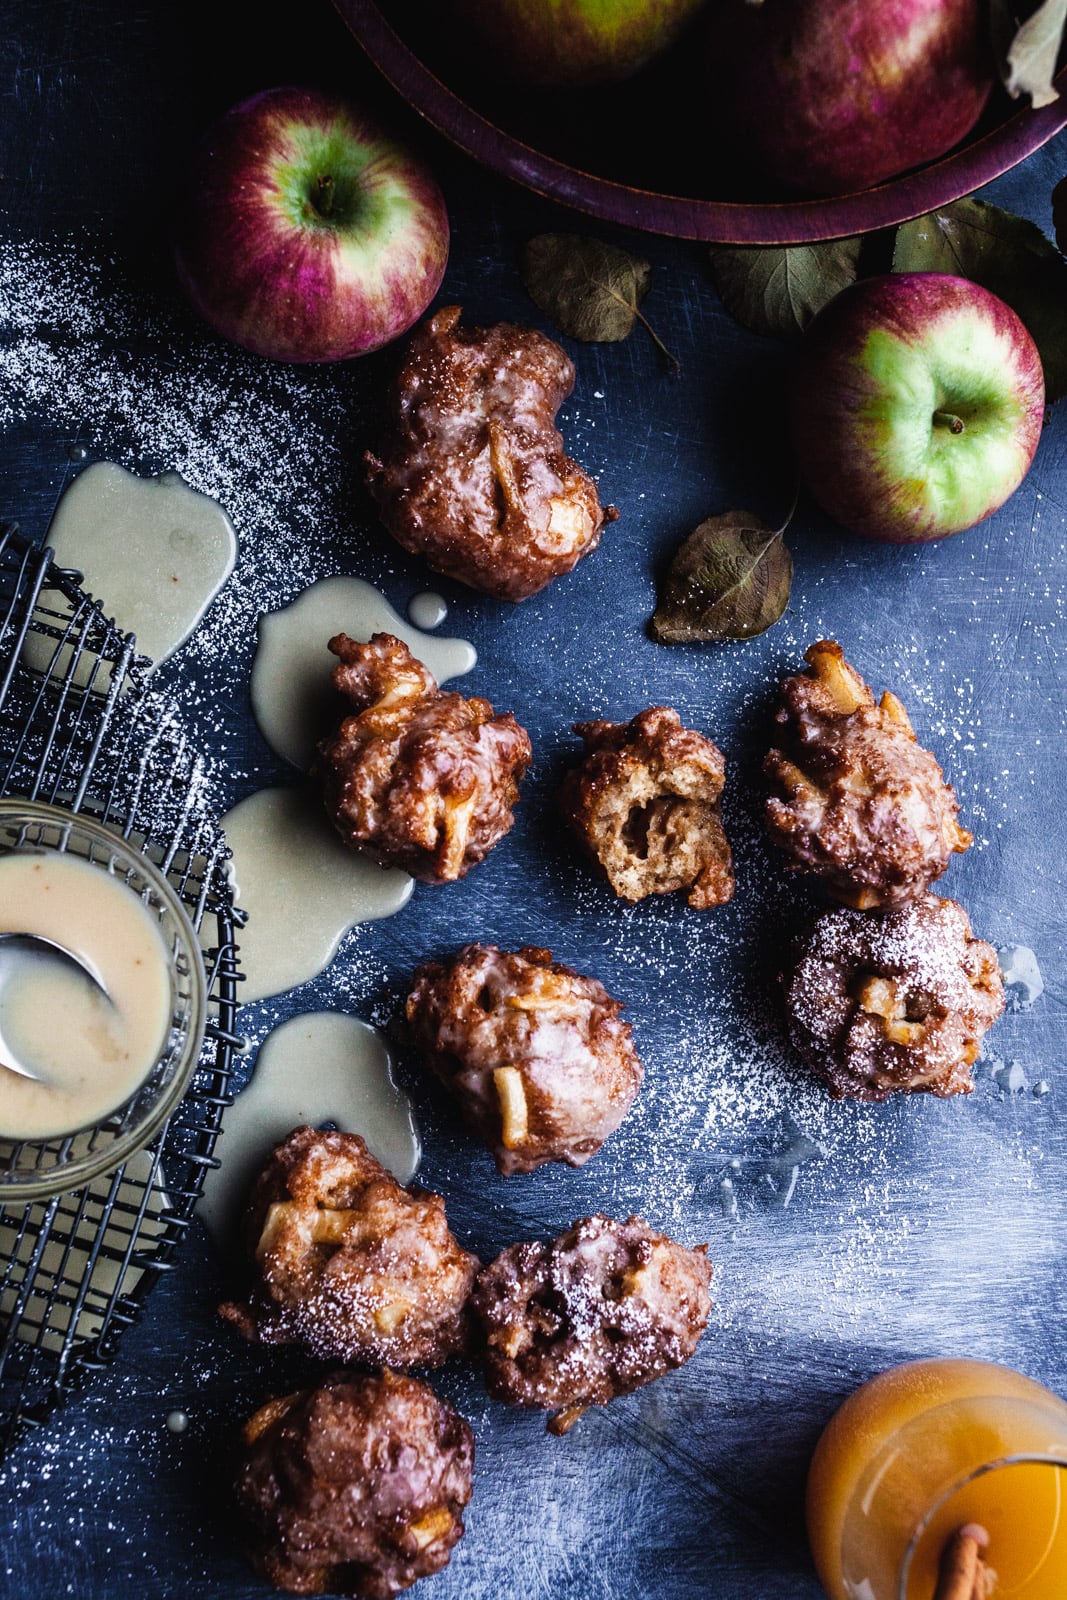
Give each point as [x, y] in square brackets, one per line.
[961, 1564]
[985, 1581]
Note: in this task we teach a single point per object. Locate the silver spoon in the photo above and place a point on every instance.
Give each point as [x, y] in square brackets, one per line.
[15, 944]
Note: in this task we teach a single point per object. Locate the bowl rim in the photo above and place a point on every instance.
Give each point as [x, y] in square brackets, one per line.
[785, 222]
[79, 1172]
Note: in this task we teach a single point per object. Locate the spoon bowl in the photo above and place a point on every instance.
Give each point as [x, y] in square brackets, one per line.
[31, 942]
[14, 946]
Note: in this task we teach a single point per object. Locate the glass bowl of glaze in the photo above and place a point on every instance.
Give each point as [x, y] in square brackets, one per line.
[58, 1136]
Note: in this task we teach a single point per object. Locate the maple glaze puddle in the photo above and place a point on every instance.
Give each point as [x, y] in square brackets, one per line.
[154, 551]
[48, 1321]
[302, 888]
[87, 1045]
[293, 700]
[427, 610]
[319, 1068]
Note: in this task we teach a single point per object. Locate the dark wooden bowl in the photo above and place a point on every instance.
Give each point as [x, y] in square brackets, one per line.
[592, 149]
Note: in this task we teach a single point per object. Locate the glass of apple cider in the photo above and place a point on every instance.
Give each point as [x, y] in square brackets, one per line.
[921, 1452]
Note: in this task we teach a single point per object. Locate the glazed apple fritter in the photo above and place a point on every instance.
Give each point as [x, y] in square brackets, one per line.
[474, 476]
[596, 1313]
[538, 1056]
[416, 777]
[858, 802]
[356, 1487]
[893, 1000]
[347, 1263]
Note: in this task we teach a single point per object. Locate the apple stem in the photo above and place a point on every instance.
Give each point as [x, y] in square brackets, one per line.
[324, 196]
[948, 419]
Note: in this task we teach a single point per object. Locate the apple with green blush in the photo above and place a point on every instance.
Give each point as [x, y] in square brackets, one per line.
[575, 43]
[917, 406]
[308, 234]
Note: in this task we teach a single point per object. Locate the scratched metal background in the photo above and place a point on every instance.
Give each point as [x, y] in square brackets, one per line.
[927, 1228]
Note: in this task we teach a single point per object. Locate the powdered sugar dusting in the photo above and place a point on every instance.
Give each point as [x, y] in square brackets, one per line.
[243, 432]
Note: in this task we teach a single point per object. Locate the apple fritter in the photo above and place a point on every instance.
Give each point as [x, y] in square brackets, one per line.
[356, 1487]
[538, 1056]
[647, 803]
[597, 1313]
[893, 1000]
[473, 475]
[347, 1263]
[858, 802]
[418, 778]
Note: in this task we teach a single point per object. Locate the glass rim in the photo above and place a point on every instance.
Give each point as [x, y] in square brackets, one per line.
[1022, 1459]
[75, 1173]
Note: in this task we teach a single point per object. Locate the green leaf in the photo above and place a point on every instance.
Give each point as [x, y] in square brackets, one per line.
[778, 289]
[1027, 52]
[729, 580]
[1007, 255]
[591, 290]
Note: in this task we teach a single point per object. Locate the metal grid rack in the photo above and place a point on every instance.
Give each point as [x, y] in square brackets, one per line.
[80, 728]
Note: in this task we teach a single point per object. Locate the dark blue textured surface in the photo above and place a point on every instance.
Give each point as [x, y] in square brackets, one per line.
[926, 1227]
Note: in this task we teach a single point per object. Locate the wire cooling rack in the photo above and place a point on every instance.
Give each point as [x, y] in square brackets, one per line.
[80, 728]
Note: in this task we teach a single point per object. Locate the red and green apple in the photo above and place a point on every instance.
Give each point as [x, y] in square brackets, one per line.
[831, 96]
[308, 234]
[917, 405]
[558, 43]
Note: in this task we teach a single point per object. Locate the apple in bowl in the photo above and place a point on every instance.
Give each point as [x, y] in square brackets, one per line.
[828, 97]
[917, 406]
[307, 234]
[575, 43]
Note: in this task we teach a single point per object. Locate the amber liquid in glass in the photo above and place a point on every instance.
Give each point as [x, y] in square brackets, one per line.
[920, 1451]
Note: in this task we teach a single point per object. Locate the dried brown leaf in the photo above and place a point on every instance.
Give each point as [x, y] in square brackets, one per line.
[729, 580]
[591, 290]
[777, 289]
